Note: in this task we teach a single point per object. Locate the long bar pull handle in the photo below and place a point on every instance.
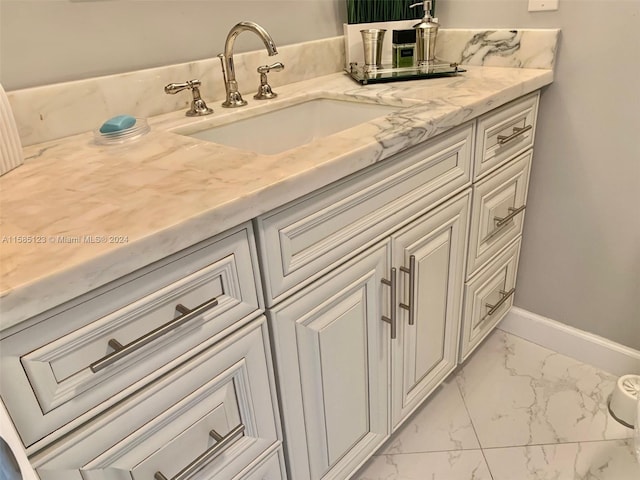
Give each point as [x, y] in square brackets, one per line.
[412, 284]
[393, 321]
[505, 296]
[517, 131]
[222, 443]
[121, 351]
[500, 221]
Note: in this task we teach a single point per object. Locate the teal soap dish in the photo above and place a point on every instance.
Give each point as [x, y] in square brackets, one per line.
[104, 137]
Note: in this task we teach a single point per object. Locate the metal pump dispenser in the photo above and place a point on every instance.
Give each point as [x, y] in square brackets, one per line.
[426, 32]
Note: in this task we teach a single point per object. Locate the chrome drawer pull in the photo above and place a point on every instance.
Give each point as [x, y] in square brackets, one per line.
[222, 443]
[412, 283]
[512, 213]
[392, 321]
[505, 296]
[121, 351]
[517, 131]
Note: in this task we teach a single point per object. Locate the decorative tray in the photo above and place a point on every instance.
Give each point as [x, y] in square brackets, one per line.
[386, 73]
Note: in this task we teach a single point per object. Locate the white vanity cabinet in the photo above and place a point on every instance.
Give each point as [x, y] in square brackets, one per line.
[375, 287]
[166, 370]
[335, 340]
[378, 285]
[504, 149]
[360, 343]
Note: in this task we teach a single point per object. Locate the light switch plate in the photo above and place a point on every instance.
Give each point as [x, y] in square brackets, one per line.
[540, 5]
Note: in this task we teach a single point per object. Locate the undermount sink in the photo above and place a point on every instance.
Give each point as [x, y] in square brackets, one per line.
[293, 126]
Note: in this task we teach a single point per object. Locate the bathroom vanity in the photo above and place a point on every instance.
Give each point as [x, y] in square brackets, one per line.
[200, 311]
[365, 281]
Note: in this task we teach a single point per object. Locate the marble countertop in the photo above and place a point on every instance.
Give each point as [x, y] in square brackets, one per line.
[165, 192]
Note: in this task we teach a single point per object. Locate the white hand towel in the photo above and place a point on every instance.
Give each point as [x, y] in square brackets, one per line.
[10, 146]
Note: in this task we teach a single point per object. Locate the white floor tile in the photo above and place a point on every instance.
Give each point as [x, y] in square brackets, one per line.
[519, 393]
[441, 424]
[458, 465]
[607, 460]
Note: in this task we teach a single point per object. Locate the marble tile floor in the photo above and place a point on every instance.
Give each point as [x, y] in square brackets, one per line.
[512, 411]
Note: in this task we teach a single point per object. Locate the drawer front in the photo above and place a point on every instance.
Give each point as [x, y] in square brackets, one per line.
[301, 240]
[213, 416]
[497, 216]
[504, 133]
[55, 375]
[488, 298]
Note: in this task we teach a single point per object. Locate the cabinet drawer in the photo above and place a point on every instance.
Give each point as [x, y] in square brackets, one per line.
[504, 133]
[488, 298]
[61, 369]
[174, 423]
[303, 239]
[497, 216]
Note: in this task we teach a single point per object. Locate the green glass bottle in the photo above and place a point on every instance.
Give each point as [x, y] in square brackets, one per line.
[403, 49]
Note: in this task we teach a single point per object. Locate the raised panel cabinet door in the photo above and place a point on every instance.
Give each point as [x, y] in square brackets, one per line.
[331, 349]
[429, 255]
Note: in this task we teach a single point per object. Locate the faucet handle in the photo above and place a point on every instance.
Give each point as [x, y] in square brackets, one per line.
[198, 105]
[276, 67]
[264, 90]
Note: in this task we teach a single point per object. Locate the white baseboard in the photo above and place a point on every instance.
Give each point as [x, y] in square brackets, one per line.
[586, 347]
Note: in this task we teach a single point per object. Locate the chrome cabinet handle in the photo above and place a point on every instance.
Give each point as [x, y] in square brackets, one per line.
[412, 283]
[512, 213]
[222, 443]
[517, 131]
[121, 351]
[393, 320]
[505, 296]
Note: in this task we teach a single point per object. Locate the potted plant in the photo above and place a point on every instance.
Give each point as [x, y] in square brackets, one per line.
[368, 11]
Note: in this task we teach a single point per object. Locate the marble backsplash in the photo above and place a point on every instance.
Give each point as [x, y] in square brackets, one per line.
[499, 48]
[55, 111]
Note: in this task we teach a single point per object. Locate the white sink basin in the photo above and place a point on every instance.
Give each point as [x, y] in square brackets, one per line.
[293, 126]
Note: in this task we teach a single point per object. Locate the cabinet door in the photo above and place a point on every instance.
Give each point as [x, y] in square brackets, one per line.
[429, 255]
[331, 349]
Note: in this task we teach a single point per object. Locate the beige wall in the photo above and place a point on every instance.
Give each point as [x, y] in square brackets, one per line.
[581, 255]
[580, 261]
[47, 41]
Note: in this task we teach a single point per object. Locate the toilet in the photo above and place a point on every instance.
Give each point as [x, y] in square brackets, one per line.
[624, 405]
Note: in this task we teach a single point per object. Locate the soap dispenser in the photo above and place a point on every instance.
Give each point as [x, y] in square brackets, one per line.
[426, 32]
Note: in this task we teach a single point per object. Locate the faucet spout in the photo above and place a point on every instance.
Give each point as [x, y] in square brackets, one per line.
[234, 99]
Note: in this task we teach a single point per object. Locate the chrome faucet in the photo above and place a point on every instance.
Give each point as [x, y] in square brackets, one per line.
[234, 99]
